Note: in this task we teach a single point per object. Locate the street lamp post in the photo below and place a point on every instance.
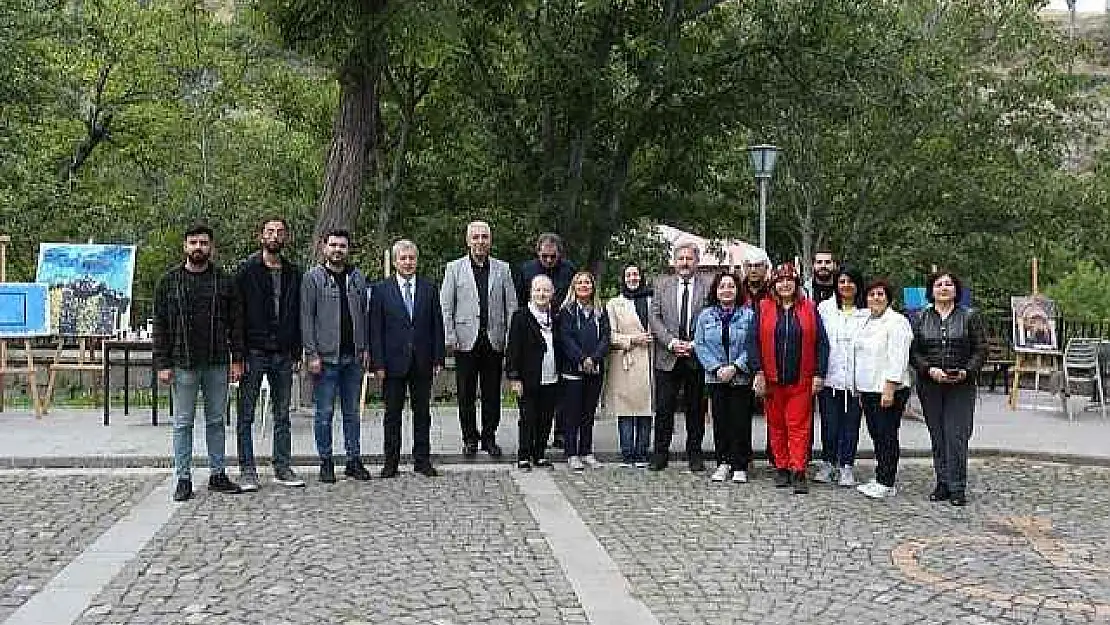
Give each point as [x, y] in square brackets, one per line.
[763, 164]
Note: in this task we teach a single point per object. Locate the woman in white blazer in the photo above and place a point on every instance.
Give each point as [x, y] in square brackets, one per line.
[628, 381]
[881, 358]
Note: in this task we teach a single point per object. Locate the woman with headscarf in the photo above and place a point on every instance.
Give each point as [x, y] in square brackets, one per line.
[843, 315]
[584, 337]
[949, 348]
[628, 382]
[794, 358]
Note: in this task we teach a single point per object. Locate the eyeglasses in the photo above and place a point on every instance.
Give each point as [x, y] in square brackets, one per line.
[548, 256]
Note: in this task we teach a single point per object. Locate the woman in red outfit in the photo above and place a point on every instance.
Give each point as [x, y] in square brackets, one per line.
[794, 354]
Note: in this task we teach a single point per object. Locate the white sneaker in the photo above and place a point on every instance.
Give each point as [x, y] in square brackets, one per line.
[824, 474]
[740, 477]
[847, 479]
[876, 490]
[641, 465]
[575, 463]
[627, 465]
[721, 474]
[592, 461]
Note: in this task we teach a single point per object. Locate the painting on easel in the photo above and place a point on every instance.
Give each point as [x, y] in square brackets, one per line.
[24, 310]
[1034, 318]
[90, 286]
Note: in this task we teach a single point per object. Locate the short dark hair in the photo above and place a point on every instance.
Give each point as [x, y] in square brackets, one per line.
[552, 238]
[884, 284]
[937, 275]
[199, 228]
[824, 250]
[856, 276]
[741, 293]
[266, 220]
[338, 233]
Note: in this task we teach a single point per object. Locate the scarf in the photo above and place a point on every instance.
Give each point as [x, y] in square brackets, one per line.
[542, 316]
[639, 297]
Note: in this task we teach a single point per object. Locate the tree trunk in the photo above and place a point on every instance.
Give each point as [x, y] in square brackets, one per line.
[354, 138]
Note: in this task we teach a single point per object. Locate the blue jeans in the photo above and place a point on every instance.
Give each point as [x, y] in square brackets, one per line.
[278, 369]
[344, 379]
[635, 437]
[212, 381]
[840, 421]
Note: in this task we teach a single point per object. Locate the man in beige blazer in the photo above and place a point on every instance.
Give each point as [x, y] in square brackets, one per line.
[478, 299]
[677, 302]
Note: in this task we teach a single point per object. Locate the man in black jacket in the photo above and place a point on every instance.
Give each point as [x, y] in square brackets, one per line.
[198, 345]
[270, 290]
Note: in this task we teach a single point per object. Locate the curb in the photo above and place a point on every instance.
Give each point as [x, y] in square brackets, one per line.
[166, 462]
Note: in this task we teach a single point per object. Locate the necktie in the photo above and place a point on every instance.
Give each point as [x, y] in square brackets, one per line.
[408, 297]
[684, 313]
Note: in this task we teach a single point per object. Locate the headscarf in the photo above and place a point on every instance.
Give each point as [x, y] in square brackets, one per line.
[639, 297]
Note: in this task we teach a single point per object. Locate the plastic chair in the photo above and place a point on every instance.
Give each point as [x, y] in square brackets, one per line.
[1081, 364]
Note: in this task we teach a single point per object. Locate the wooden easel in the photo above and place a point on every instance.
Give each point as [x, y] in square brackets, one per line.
[1037, 362]
[27, 370]
[94, 365]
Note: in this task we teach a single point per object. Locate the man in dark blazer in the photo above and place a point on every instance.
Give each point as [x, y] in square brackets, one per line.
[677, 302]
[406, 352]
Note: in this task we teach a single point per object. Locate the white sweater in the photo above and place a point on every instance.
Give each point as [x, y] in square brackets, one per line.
[882, 352]
[841, 329]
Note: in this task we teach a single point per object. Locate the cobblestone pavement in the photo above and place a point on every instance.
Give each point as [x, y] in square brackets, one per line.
[1033, 546]
[460, 548]
[49, 520]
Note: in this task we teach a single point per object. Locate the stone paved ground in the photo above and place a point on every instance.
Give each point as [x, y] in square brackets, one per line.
[459, 549]
[47, 521]
[1032, 547]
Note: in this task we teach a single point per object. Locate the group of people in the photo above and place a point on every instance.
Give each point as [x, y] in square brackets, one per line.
[758, 337]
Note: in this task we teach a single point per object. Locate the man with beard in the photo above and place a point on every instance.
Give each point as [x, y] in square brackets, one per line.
[756, 267]
[823, 285]
[198, 345]
[336, 347]
[270, 290]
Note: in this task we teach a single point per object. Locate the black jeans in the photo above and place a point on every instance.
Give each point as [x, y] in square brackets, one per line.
[883, 425]
[480, 365]
[689, 377]
[580, 398]
[949, 412]
[419, 389]
[732, 424]
[537, 409]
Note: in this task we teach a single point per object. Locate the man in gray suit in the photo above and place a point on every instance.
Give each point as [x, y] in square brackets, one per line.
[478, 299]
[677, 302]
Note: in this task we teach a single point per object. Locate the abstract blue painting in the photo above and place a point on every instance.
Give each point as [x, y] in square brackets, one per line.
[24, 310]
[90, 286]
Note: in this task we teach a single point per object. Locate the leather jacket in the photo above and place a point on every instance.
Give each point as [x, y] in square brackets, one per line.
[958, 342]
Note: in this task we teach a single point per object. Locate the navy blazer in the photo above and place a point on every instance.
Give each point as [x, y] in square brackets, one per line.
[579, 339]
[400, 345]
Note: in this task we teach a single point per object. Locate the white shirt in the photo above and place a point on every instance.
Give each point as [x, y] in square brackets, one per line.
[841, 328]
[881, 352]
[548, 374]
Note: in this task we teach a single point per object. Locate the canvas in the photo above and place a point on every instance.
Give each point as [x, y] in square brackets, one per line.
[1034, 323]
[24, 310]
[90, 286]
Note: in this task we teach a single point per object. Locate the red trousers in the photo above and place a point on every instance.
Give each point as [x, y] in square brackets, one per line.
[789, 413]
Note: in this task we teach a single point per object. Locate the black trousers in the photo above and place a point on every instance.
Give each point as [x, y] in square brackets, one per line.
[883, 425]
[480, 365]
[580, 399]
[949, 412]
[537, 410]
[689, 378]
[419, 388]
[732, 424]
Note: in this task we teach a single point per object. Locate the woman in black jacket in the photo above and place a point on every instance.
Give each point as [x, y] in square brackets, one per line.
[532, 368]
[949, 347]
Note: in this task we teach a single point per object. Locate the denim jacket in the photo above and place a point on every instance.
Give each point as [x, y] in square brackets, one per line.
[743, 337]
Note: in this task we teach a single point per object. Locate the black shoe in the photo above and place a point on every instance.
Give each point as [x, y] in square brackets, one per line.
[327, 472]
[470, 450]
[184, 490]
[426, 470]
[782, 478]
[557, 442]
[658, 462]
[524, 465]
[542, 463]
[940, 493]
[388, 471]
[697, 465]
[958, 499]
[492, 448]
[801, 486]
[357, 471]
[220, 483]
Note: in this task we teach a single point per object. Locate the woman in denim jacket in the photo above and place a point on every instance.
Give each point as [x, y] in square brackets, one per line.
[725, 342]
